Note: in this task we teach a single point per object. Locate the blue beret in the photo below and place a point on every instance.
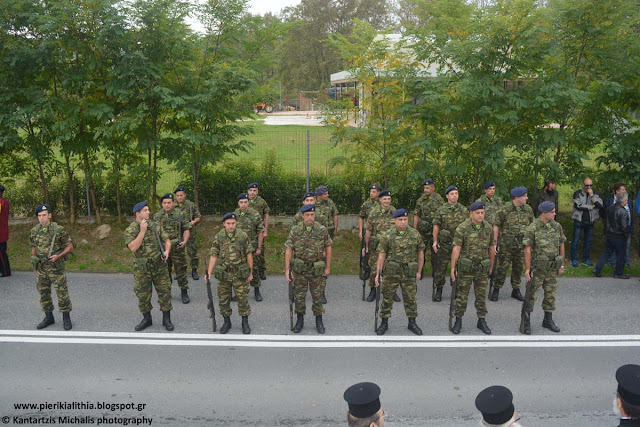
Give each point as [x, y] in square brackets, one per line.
[628, 378]
[450, 188]
[43, 208]
[321, 190]
[546, 207]
[138, 207]
[489, 184]
[384, 193]
[476, 205]
[242, 196]
[519, 191]
[496, 404]
[253, 185]
[427, 181]
[230, 215]
[309, 194]
[307, 208]
[400, 213]
[180, 188]
[167, 196]
[2, 188]
[375, 187]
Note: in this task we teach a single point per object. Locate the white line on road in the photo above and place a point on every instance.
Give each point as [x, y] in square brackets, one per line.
[341, 341]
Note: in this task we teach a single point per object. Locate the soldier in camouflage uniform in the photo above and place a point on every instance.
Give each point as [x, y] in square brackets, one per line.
[367, 206]
[50, 244]
[191, 212]
[448, 217]
[508, 229]
[400, 258]
[233, 249]
[260, 205]
[176, 225]
[380, 221]
[426, 207]
[474, 251]
[307, 199]
[250, 222]
[308, 254]
[492, 203]
[145, 238]
[544, 260]
[327, 216]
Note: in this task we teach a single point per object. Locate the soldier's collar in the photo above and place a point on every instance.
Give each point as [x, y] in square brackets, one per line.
[309, 228]
[242, 213]
[231, 235]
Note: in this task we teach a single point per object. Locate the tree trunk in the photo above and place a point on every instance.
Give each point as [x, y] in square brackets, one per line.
[92, 191]
[148, 171]
[70, 186]
[116, 167]
[154, 180]
[43, 181]
[196, 183]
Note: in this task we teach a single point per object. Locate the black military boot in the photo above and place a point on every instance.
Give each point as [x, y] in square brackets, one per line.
[299, 324]
[324, 298]
[384, 325]
[257, 294]
[494, 295]
[549, 323]
[146, 322]
[185, 297]
[438, 296]
[245, 325]
[48, 320]
[66, 321]
[166, 320]
[482, 325]
[413, 327]
[517, 295]
[526, 327]
[457, 326]
[396, 298]
[194, 274]
[319, 325]
[262, 276]
[372, 294]
[226, 325]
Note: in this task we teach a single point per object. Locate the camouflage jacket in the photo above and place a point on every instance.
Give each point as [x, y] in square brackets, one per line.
[491, 208]
[512, 222]
[325, 211]
[189, 210]
[150, 247]
[252, 224]
[401, 247]
[544, 239]
[260, 205]
[367, 206]
[174, 223]
[308, 244]
[231, 251]
[448, 218]
[379, 223]
[41, 238]
[426, 208]
[474, 240]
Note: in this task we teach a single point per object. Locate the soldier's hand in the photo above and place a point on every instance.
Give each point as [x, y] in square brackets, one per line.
[143, 226]
[377, 280]
[364, 251]
[435, 247]
[417, 277]
[265, 233]
[166, 255]
[497, 250]
[453, 276]
[54, 258]
[287, 275]
[560, 271]
[181, 244]
[250, 278]
[527, 275]
[326, 272]
[258, 251]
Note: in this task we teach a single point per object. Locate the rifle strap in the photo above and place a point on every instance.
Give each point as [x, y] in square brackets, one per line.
[155, 230]
[53, 242]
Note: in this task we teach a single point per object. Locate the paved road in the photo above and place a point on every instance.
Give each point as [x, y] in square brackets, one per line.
[273, 377]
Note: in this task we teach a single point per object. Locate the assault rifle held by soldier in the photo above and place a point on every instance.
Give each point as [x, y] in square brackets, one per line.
[210, 306]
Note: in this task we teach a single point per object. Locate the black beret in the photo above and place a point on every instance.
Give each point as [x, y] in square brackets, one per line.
[375, 187]
[384, 193]
[242, 196]
[253, 185]
[496, 404]
[450, 188]
[519, 191]
[167, 196]
[307, 208]
[309, 194]
[138, 207]
[230, 215]
[43, 208]
[363, 399]
[427, 181]
[400, 213]
[476, 205]
[489, 184]
[628, 377]
[546, 207]
[180, 188]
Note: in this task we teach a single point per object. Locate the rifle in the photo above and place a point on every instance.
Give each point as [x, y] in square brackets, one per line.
[454, 295]
[59, 251]
[291, 300]
[160, 246]
[212, 310]
[493, 271]
[525, 315]
[434, 268]
[375, 323]
[365, 270]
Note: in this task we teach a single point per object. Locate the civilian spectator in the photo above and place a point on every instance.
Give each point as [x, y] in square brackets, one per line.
[546, 194]
[611, 200]
[586, 207]
[617, 230]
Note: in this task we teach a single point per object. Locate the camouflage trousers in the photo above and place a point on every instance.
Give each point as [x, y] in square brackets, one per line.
[178, 258]
[428, 252]
[509, 256]
[145, 277]
[549, 283]
[315, 285]
[409, 290]
[192, 249]
[259, 263]
[479, 280]
[442, 271]
[48, 274]
[241, 288]
[255, 282]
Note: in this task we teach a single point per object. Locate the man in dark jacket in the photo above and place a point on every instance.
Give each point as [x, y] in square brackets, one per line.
[617, 229]
[611, 200]
[586, 210]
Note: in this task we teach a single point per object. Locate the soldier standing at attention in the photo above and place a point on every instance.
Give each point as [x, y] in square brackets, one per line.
[250, 222]
[191, 212]
[448, 217]
[174, 223]
[307, 199]
[306, 249]
[508, 229]
[145, 238]
[426, 207]
[474, 251]
[367, 206]
[50, 244]
[380, 221]
[260, 205]
[231, 260]
[327, 216]
[400, 258]
[492, 203]
[543, 260]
